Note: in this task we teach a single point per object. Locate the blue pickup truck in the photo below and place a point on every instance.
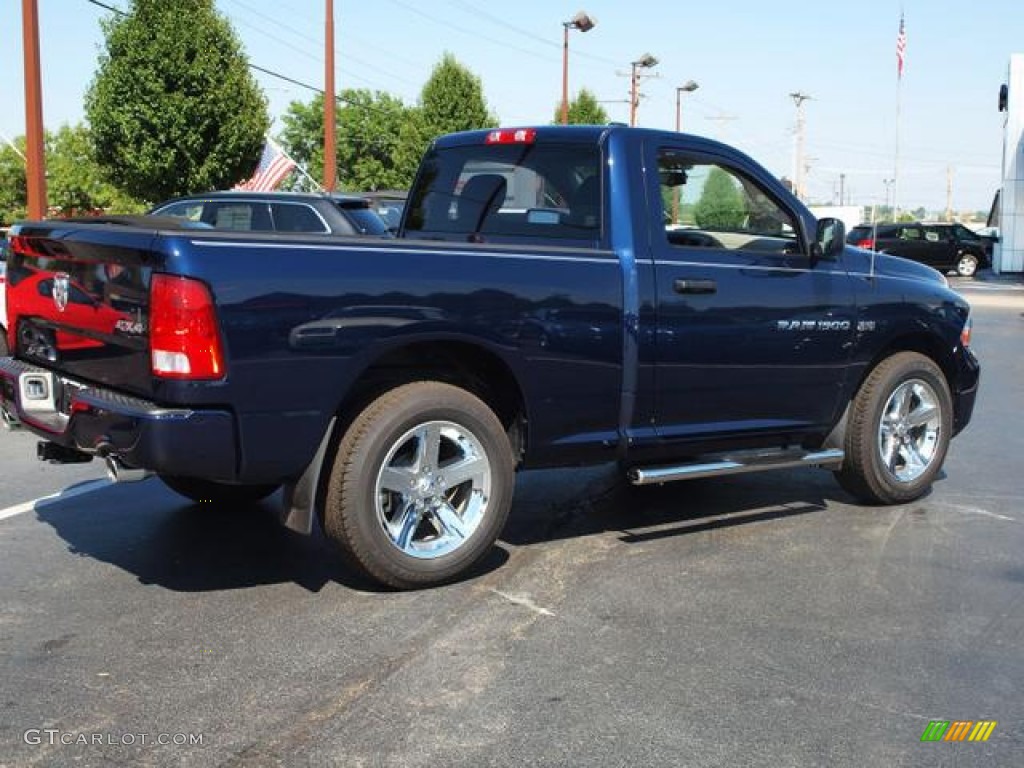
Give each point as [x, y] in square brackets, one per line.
[557, 296]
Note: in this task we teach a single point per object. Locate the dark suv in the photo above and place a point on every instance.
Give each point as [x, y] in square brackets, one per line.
[943, 246]
[279, 212]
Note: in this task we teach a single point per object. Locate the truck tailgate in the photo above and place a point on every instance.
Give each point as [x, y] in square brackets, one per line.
[78, 301]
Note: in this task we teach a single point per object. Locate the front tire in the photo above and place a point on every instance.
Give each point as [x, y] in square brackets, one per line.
[900, 425]
[211, 492]
[966, 264]
[421, 485]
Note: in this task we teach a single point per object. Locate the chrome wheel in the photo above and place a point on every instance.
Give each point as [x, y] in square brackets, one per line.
[966, 265]
[433, 489]
[910, 430]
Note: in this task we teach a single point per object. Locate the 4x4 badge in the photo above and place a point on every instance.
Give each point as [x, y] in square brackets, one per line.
[61, 290]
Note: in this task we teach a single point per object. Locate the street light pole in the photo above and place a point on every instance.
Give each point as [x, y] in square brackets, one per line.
[644, 62]
[583, 23]
[35, 160]
[688, 87]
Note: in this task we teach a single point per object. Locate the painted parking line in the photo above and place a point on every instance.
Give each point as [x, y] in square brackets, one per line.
[67, 493]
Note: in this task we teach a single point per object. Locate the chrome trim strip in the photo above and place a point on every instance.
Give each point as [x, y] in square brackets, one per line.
[706, 264]
[610, 260]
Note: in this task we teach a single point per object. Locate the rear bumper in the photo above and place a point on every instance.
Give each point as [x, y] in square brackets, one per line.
[142, 434]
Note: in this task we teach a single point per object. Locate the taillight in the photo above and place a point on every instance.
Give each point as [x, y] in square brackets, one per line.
[965, 334]
[867, 244]
[512, 136]
[184, 340]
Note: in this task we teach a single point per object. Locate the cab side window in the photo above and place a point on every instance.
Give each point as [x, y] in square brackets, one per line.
[239, 216]
[709, 204]
[292, 217]
[193, 211]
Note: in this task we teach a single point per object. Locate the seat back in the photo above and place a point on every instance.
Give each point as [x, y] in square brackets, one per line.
[481, 196]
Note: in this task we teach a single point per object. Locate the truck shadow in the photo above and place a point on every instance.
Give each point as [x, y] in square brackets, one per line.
[166, 541]
[604, 502]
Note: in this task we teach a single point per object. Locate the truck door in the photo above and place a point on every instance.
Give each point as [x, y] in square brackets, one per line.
[751, 336]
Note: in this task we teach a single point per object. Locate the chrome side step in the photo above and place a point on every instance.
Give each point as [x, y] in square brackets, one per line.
[736, 464]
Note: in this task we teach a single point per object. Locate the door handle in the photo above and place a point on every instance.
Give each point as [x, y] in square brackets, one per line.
[694, 286]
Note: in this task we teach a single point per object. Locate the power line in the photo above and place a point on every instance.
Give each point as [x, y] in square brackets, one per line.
[258, 68]
[471, 32]
[309, 38]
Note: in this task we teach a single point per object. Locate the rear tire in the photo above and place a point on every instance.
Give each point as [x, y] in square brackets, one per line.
[966, 264]
[211, 492]
[900, 424]
[421, 485]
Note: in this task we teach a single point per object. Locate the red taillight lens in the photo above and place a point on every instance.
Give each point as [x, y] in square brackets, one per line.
[184, 340]
[867, 244]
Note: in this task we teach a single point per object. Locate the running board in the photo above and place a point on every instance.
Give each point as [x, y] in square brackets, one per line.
[736, 464]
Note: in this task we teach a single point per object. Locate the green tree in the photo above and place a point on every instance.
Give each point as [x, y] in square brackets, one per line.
[583, 110]
[371, 131]
[75, 182]
[452, 100]
[720, 205]
[173, 107]
[13, 188]
[369, 134]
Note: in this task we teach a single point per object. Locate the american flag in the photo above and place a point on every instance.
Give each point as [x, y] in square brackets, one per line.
[901, 48]
[273, 167]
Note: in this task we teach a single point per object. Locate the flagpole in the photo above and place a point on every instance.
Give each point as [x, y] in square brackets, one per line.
[298, 166]
[896, 169]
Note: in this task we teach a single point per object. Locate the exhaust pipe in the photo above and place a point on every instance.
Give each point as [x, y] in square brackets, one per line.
[119, 473]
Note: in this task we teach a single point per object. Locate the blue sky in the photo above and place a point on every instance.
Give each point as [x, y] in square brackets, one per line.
[746, 56]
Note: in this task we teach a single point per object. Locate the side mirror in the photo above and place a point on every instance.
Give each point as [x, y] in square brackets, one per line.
[829, 239]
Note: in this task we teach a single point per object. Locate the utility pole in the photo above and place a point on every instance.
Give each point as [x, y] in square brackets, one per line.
[35, 160]
[842, 189]
[799, 97]
[644, 62]
[330, 105]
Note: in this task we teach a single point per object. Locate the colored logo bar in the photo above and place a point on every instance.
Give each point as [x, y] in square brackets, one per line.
[959, 730]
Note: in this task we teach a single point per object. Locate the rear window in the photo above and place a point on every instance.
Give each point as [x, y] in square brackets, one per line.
[509, 192]
[365, 221]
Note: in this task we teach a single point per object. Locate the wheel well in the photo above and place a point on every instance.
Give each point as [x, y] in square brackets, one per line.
[923, 344]
[460, 364]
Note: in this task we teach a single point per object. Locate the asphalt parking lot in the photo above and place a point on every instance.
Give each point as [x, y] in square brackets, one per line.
[760, 620]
